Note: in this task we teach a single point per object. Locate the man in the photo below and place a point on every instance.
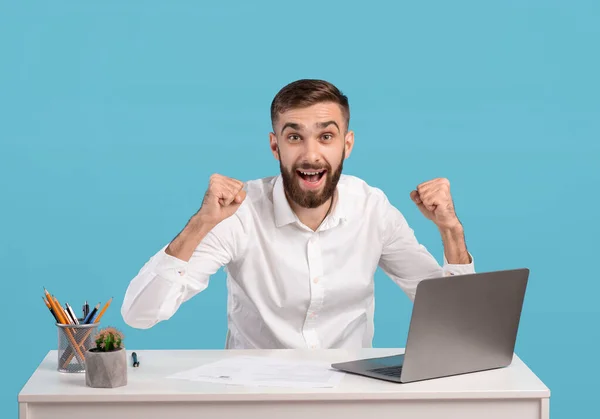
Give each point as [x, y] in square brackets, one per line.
[300, 249]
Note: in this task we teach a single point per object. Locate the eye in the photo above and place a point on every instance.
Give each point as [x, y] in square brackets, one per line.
[327, 137]
[293, 137]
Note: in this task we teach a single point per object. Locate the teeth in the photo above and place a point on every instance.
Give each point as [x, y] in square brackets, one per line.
[311, 173]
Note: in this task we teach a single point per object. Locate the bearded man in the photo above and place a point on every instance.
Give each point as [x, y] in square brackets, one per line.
[300, 249]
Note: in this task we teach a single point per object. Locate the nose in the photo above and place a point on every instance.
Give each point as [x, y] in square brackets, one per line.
[311, 151]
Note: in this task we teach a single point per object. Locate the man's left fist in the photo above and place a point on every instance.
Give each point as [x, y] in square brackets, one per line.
[435, 202]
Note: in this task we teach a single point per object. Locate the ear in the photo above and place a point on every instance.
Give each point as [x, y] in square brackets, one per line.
[274, 146]
[349, 142]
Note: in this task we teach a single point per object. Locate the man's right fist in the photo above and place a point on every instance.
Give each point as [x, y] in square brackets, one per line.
[222, 199]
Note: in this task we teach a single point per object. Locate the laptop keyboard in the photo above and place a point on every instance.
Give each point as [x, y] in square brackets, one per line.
[389, 371]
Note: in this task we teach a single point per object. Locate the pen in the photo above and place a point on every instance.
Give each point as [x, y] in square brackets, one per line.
[89, 317]
[67, 315]
[61, 319]
[135, 360]
[86, 309]
[71, 313]
[96, 320]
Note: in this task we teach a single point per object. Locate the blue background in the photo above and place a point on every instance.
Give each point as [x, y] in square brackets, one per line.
[114, 114]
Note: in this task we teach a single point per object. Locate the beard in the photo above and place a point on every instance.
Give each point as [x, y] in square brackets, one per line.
[310, 199]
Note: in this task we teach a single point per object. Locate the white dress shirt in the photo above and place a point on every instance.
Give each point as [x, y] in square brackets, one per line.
[289, 286]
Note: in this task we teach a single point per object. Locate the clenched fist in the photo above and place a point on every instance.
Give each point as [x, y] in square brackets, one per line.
[222, 199]
[435, 202]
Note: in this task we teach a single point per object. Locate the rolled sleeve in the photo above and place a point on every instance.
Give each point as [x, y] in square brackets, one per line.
[165, 282]
[459, 268]
[170, 268]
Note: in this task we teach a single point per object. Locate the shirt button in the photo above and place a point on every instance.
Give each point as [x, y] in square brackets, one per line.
[316, 280]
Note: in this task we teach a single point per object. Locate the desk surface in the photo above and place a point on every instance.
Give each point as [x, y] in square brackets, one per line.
[148, 382]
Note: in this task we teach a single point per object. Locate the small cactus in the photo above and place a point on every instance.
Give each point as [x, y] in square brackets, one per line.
[108, 339]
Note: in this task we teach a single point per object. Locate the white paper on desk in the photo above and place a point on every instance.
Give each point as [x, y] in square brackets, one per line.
[264, 371]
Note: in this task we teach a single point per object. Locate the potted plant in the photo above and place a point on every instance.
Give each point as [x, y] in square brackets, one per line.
[106, 364]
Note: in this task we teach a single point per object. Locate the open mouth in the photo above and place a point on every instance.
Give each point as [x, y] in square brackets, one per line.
[311, 178]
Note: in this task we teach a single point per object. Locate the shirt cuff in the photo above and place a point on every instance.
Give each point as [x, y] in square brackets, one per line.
[459, 268]
[169, 267]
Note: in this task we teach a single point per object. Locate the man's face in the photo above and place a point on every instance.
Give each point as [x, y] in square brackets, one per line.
[311, 145]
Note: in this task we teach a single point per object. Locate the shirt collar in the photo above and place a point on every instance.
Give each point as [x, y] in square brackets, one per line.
[285, 215]
[283, 212]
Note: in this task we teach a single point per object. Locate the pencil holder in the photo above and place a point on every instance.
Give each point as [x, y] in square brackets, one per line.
[73, 341]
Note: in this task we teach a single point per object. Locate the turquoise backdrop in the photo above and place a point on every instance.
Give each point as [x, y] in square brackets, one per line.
[113, 115]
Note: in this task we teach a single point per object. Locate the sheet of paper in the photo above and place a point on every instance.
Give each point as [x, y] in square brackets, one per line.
[264, 371]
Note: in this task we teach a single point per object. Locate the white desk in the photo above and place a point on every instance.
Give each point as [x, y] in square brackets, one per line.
[512, 392]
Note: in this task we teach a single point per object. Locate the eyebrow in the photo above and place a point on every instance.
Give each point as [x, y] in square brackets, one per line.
[326, 124]
[292, 125]
[320, 125]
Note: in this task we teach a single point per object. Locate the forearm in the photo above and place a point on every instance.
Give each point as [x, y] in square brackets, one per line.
[455, 247]
[182, 247]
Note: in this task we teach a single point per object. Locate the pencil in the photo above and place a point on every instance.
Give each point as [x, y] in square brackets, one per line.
[103, 310]
[50, 308]
[52, 304]
[64, 312]
[98, 317]
[62, 320]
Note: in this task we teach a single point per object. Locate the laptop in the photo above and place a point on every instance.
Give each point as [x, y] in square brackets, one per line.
[459, 324]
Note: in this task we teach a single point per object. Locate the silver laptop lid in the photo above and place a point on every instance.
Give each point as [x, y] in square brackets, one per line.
[464, 323]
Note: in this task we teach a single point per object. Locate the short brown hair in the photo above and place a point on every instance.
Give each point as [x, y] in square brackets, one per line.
[307, 92]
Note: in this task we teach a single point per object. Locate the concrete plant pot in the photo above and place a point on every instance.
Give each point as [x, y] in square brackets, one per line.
[105, 369]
